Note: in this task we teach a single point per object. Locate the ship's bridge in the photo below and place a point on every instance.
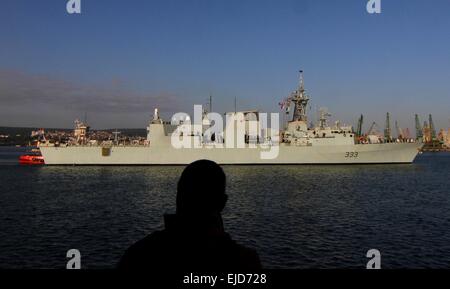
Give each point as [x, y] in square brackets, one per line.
[298, 133]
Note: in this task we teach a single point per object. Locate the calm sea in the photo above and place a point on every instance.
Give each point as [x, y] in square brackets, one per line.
[294, 216]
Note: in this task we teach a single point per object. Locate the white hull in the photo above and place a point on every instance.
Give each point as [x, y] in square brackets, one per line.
[146, 155]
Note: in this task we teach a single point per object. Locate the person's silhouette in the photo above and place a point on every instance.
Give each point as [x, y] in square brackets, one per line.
[194, 238]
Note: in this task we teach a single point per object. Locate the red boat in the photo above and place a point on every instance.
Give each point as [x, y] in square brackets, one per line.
[31, 160]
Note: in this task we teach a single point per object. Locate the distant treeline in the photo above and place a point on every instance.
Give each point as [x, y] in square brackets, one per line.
[12, 136]
[129, 131]
[15, 135]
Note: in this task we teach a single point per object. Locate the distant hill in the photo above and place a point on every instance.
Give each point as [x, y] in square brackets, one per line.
[22, 135]
[130, 131]
[16, 135]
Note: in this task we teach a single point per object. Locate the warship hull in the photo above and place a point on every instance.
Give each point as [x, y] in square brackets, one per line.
[147, 155]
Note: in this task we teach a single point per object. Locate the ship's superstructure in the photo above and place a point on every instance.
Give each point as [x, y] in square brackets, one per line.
[245, 140]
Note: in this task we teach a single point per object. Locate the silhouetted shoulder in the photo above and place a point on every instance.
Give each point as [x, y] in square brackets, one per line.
[248, 259]
[165, 250]
[140, 255]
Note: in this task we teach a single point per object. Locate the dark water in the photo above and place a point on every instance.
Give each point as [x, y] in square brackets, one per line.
[294, 216]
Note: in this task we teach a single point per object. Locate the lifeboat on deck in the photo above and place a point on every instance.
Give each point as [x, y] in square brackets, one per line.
[31, 160]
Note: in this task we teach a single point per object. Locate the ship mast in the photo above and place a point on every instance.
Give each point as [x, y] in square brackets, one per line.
[300, 100]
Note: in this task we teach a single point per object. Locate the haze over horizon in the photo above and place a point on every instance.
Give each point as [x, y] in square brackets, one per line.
[118, 60]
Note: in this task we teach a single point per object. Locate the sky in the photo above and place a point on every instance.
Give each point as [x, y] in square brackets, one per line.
[118, 60]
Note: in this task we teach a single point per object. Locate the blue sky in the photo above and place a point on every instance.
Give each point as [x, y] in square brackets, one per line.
[119, 59]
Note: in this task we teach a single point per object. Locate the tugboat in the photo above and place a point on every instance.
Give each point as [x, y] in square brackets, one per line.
[34, 158]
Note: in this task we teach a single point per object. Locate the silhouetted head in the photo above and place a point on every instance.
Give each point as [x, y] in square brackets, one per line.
[201, 189]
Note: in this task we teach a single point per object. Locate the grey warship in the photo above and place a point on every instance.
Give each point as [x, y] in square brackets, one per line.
[296, 143]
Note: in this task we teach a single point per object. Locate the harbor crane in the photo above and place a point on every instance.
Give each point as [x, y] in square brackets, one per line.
[360, 123]
[387, 130]
[432, 129]
[372, 127]
[400, 134]
[419, 130]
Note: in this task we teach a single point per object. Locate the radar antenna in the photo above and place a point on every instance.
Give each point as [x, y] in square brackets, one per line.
[300, 100]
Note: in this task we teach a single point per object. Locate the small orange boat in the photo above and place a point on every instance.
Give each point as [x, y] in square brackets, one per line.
[31, 160]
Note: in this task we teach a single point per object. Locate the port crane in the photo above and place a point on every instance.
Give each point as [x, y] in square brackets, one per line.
[360, 123]
[387, 130]
[419, 130]
[371, 129]
[400, 134]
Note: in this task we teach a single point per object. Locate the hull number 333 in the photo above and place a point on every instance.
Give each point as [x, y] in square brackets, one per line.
[351, 154]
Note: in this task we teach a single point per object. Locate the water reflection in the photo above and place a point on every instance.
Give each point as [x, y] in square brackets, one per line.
[295, 216]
